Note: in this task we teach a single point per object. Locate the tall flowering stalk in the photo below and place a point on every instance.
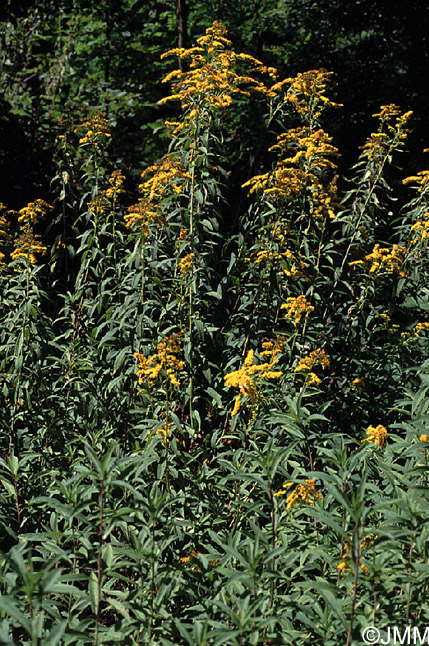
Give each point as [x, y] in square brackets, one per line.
[214, 76]
[247, 377]
[417, 235]
[163, 366]
[161, 181]
[28, 244]
[377, 153]
[27, 247]
[298, 198]
[5, 236]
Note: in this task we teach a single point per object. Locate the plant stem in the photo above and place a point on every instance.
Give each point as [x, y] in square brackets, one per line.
[352, 612]
[410, 557]
[100, 544]
[191, 285]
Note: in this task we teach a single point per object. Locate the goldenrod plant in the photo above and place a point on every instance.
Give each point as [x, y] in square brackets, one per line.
[214, 411]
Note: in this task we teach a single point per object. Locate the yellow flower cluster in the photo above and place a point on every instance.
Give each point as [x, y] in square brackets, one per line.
[377, 434]
[164, 362]
[382, 143]
[183, 234]
[100, 205]
[96, 129]
[116, 181]
[420, 328]
[358, 384]
[296, 308]
[376, 147]
[344, 565]
[160, 181]
[278, 231]
[307, 93]
[164, 431]
[186, 559]
[415, 333]
[309, 146]
[284, 183]
[186, 263]
[297, 175]
[303, 493]
[423, 437]
[212, 79]
[421, 229]
[271, 348]
[4, 234]
[28, 243]
[102, 202]
[143, 214]
[29, 215]
[421, 179]
[246, 377]
[387, 112]
[306, 364]
[382, 260]
[289, 263]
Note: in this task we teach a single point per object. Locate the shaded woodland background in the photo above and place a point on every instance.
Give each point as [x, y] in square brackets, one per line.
[61, 59]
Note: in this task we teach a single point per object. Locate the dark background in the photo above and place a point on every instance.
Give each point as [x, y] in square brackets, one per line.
[68, 57]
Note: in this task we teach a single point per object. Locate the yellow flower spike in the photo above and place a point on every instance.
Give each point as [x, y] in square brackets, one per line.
[160, 181]
[388, 111]
[306, 93]
[164, 432]
[246, 378]
[303, 493]
[420, 328]
[27, 244]
[164, 362]
[377, 435]
[186, 263]
[306, 364]
[160, 178]
[382, 260]
[382, 143]
[303, 157]
[344, 565]
[421, 229]
[297, 308]
[4, 226]
[365, 569]
[211, 79]
[116, 180]
[100, 205]
[96, 129]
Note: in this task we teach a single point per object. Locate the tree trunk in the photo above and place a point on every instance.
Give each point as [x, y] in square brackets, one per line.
[182, 27]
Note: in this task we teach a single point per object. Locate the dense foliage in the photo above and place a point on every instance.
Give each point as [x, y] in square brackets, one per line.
[214, 399]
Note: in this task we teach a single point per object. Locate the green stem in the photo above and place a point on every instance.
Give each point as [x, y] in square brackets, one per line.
[410, 558]
[352, 612]
[100, 545]
[13, 436]
[191, 285]
[361, 214]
